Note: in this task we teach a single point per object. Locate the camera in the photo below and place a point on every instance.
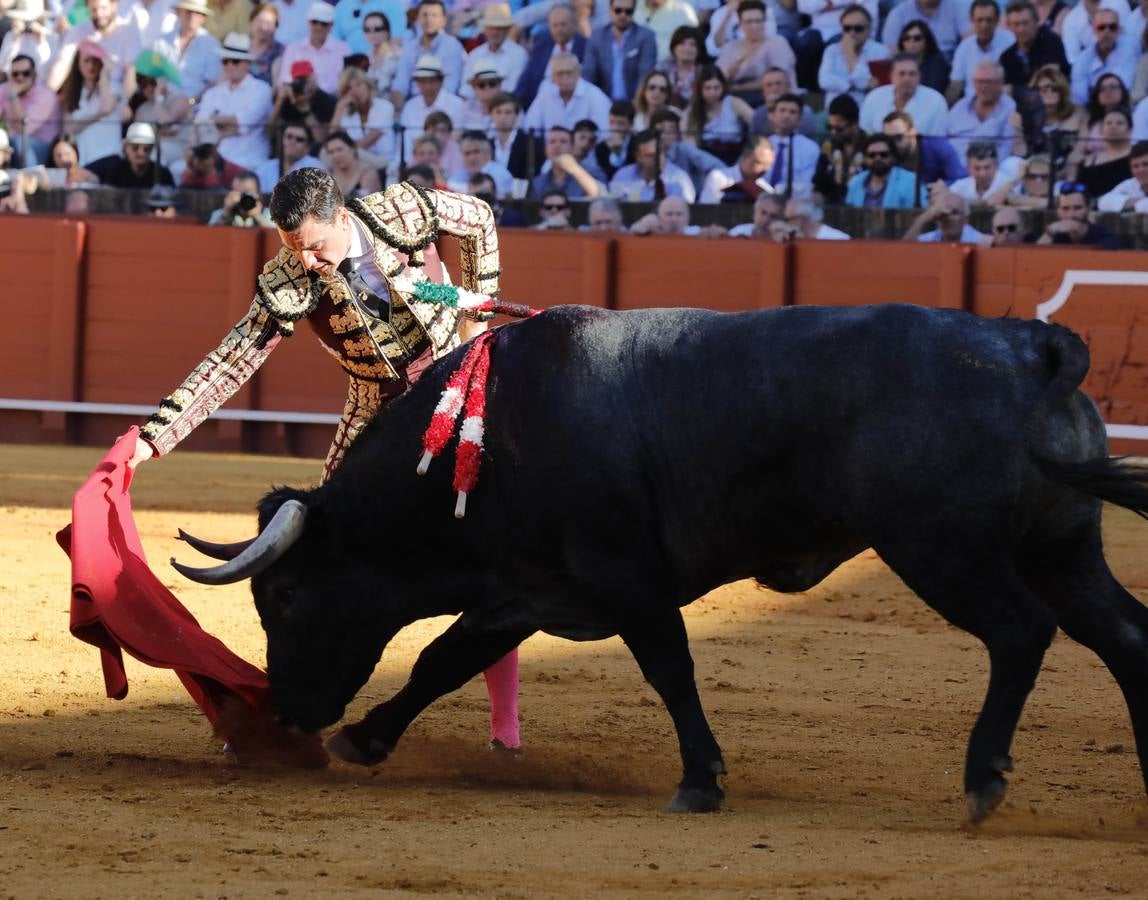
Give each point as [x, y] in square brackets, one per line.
[247, 202]
[299, 86]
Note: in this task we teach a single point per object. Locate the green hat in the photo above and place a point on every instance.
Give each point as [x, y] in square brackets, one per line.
[153, 64]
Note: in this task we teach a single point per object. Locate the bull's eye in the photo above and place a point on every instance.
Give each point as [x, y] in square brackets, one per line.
[284, 595]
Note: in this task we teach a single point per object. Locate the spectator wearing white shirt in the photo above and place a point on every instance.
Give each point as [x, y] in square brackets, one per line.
[664, 17]
[239, 107]
[193, 50]
[748, 175]
[985, 177]
[1113, 53]
[1076, 31]
[796, 157]
[1130, 195]
[845, 63]
[367, 119]
[767, 209]
[650, 176]
[986, 43]
[478, 156]
[673, 217]
[950, 214]
[807, 216]
[30, 34]
[297, 138]
[567, 98]
[430, 96]
[320, 48]
[497, 52]
[1140, 121]
[292, 20]
[116, 36]
[485, 84]
[907, 94]
[431, 39]
[152, 19]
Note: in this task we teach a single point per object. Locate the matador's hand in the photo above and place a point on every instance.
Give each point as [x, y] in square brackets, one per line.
[143, 451]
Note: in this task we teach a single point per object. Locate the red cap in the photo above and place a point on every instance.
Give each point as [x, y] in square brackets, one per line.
[301, 69]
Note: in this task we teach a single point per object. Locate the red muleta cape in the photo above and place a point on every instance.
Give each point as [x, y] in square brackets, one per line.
[119, 604]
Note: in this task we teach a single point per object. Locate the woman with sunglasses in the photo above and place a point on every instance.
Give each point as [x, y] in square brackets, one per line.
[918, 38]
[91, 105]
[653, 95]
[1100, 172]
[383, 52]
[1049, 122]
[367, 119]
[687, 52]
[1109, 92]
[845, 63]
[716, 121]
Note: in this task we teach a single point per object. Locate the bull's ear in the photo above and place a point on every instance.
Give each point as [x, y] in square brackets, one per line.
[275, 498]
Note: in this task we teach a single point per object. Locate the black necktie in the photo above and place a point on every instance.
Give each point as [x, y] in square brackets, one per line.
[363, 294]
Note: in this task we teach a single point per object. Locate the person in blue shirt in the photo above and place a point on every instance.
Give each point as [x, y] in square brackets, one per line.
[933, 157]
[883, 185]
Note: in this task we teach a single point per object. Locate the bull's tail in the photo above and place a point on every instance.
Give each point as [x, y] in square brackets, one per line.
[1122, 480]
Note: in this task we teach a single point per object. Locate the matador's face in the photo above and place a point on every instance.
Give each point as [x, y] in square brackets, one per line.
[320, 246]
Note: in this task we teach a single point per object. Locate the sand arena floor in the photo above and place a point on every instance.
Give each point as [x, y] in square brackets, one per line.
[843, 714]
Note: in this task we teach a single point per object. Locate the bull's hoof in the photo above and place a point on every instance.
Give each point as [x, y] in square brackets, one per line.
[985, 799]
[342, 746]
[696, 800]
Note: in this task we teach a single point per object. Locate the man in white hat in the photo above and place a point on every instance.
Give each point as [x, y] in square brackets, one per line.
[432, 40]
[498, 52]
[239, 106]
[321, 49]
[29, 33]
[431, 95]
[114, 33]
[135, 167]
[485, 83]
[193, 50]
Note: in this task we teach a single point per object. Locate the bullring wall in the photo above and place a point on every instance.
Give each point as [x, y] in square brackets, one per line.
[107, 311]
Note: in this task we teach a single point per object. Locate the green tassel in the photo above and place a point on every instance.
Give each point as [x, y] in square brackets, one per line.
[443, 294]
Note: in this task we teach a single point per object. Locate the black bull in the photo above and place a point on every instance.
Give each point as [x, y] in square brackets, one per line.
[635, 461]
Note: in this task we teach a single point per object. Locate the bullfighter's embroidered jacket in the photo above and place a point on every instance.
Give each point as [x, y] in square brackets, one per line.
[403, 221]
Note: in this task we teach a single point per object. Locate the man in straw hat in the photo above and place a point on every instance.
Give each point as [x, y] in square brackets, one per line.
[351, 267]
[192, 49]
[431, 96]
[239, 106]
[320, 48]
[497, 52]
[485, 84]
[135, 167]
[114, 34]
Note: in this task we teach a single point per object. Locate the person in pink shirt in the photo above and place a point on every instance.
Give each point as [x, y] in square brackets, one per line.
[320, 48]
[31, 110]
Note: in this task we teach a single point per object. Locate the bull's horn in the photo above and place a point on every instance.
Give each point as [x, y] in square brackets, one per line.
[281, 532]
[215, 551]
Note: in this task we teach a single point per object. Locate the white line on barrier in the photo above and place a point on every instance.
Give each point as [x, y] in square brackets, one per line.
[130, 409]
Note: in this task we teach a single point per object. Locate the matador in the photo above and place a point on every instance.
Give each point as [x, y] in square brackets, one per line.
[350, 267]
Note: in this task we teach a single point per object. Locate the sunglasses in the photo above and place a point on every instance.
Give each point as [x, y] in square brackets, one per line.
[233, 62]
[324, 24]
[1046, 88]
[623, 10]
[297, 138]
[21, 73]
[1106, 26]
[878, 154]
[555, 207]
[660, 88]
[374, 29]
[1005, 229]
[854, 29]
[487, 84]
[1071, 187]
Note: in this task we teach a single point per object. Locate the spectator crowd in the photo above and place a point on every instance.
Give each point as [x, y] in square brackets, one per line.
[785, 106]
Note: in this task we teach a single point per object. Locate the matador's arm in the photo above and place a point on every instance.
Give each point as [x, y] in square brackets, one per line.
[222, 372]
[472, 222]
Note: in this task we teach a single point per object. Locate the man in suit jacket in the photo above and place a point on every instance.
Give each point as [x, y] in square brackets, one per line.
[562, 38]
[620, 54]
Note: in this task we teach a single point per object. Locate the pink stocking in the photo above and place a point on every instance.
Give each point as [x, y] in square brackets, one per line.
[502, 688]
